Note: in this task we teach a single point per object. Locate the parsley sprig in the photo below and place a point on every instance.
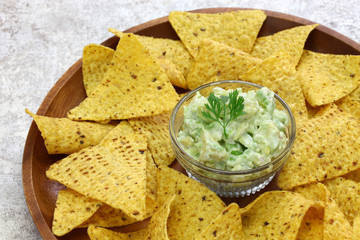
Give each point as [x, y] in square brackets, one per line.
[219, 109]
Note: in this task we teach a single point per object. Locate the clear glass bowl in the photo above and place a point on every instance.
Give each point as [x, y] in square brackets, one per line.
[229, 183]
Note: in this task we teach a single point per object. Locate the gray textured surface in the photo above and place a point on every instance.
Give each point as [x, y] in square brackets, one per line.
[40, 40]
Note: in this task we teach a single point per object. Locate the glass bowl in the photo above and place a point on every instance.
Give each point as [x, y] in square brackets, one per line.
[228, 183]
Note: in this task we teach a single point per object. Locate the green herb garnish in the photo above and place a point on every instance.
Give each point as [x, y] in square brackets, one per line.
[222, 112]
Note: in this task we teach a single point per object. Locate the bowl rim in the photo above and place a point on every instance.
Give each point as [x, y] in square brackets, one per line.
[189, 159]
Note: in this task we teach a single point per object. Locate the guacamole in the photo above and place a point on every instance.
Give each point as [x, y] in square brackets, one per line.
[250, 140]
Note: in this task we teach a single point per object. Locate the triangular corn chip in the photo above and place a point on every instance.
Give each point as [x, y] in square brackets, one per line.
[216, 61]
[275, 215]
[159, 137]
[238, 29]
[225, 226]
[173, 50]
[345, 192]
[116, 177]
[351, 103]
[135, 86]
[278, 74]
[327, 146]
[356, 229]
[291, 40]
[95, 63]
[174, 75]
[325, 78]
[312, 225]
[107, 216]
[72, 209]
[335, 224]
[99, 233]
[63, 136]
[194, 207]
[157, 228]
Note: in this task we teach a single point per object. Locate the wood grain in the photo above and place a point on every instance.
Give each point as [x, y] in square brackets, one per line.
[68, 92]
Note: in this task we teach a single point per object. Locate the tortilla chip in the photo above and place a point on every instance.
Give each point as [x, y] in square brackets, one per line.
[227, 225]
[151, 183]
[216, 61]
[174, 75]
[117, 179]
[351, 103]
[157, 228]
[354, 175]
[346, 194]
[279, 75]
[325, 78]
[135, 86]
[314, 191]
[327, 146]
[121, 130]
[107, 216]
[356, 228]
[193, 209]
[173, 50]
[159, 138]
[99, 233]
[71, 210]
[274, 215]
[238, 29]
[158, 223]
[95, 63]
[335, 224]
[312, 225]
[63, 136]
[291, 40]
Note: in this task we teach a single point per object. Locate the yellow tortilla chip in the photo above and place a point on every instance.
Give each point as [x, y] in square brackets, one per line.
[71, 210]
[173, 50]
[99, 233]
[159, 137]
[135, 86]
[312, 225]
[354, 175]
[346, 194]
[174, 75]
[327, 146]
[274, 215]
[278, 74]
[117, 177]
[157, 228]
[216, 61]
[351, 103]
[335, 224]
[356, 228]
[291, 40]
[325, 78]
[238, 29]
[151, 183]
[225, 226]
[107, 216]
[63, 136]
[95, 63]
[194, 207]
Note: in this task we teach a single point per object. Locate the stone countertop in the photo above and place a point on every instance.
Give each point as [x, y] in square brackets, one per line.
[41, 39]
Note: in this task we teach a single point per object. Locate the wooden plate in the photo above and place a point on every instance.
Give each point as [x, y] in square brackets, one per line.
[68, 92]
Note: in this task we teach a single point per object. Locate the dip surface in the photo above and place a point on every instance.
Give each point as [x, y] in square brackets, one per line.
[252, 139]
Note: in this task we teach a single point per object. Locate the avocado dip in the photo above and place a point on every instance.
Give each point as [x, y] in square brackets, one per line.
[246, 140]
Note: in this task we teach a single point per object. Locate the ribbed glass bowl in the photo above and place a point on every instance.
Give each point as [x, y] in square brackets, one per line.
[227, 183]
